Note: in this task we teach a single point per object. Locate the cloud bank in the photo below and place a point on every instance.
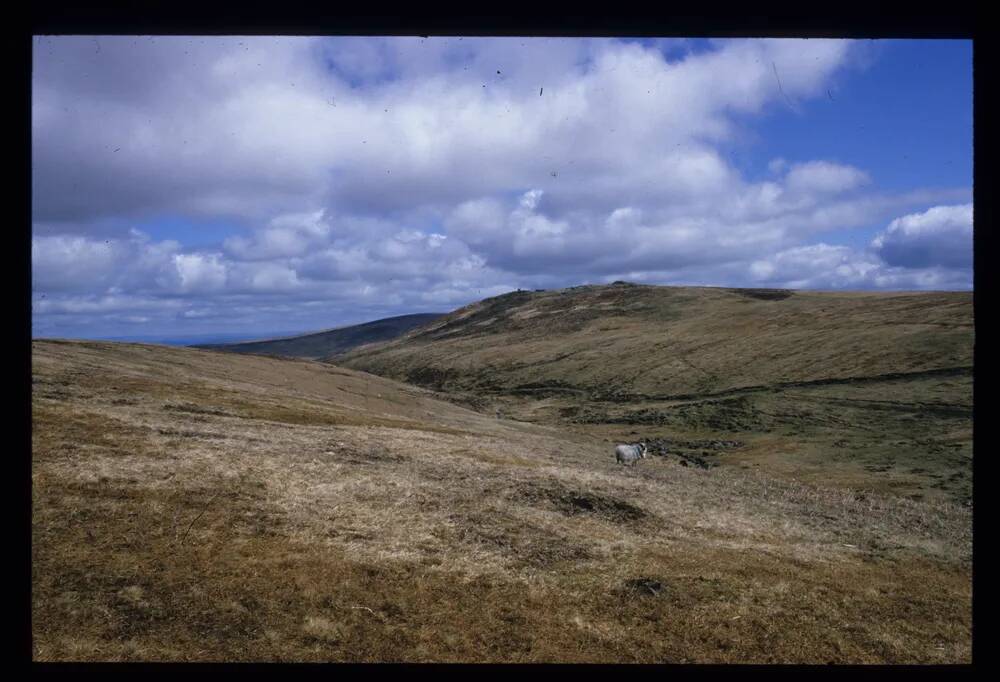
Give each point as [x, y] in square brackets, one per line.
[374, 176]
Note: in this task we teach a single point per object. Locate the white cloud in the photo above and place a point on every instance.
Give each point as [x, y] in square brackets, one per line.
[824, 177]
[65, 263]
[373, 173]
[286, 235]
[927, 250]
[200, 272]
[257, 125]
[817, 266]
[940, 236]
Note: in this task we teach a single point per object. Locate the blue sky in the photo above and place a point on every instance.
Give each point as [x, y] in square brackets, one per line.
[191, 233]
[186, 187]
[906, 117]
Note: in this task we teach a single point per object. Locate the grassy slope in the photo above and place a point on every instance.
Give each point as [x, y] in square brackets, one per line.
[191, 505]
[672, 341]
[857, 389]
[325, 343]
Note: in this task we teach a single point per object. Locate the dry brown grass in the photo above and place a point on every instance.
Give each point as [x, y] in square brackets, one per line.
[190, 505]
[664, 341]
[850, 389]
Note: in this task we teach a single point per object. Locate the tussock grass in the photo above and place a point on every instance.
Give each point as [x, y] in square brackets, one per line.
[175, 519]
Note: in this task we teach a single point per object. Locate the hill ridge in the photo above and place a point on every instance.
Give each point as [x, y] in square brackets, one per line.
[314, 345]
[663, 341]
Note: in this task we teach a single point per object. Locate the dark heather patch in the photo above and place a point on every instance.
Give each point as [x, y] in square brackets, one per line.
[191, 408]
[523, 544]
[764, 294]
[644, 587]
[574, 502]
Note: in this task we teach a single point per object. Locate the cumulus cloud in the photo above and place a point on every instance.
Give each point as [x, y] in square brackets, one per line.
[246, 125]
[383, 175]
[816, 266]
[928, 250]
[199, 272]
[824, 177]
[940, 236]
[67, 262]
[285, 235]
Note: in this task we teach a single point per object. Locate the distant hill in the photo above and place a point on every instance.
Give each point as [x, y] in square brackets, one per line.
[861, 389]
[623, 340]
[333, 341]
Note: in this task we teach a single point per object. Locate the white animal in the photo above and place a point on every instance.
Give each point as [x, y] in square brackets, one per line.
[628, 454]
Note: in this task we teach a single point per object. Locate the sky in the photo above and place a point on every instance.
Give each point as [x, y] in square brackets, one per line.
[195, 188]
